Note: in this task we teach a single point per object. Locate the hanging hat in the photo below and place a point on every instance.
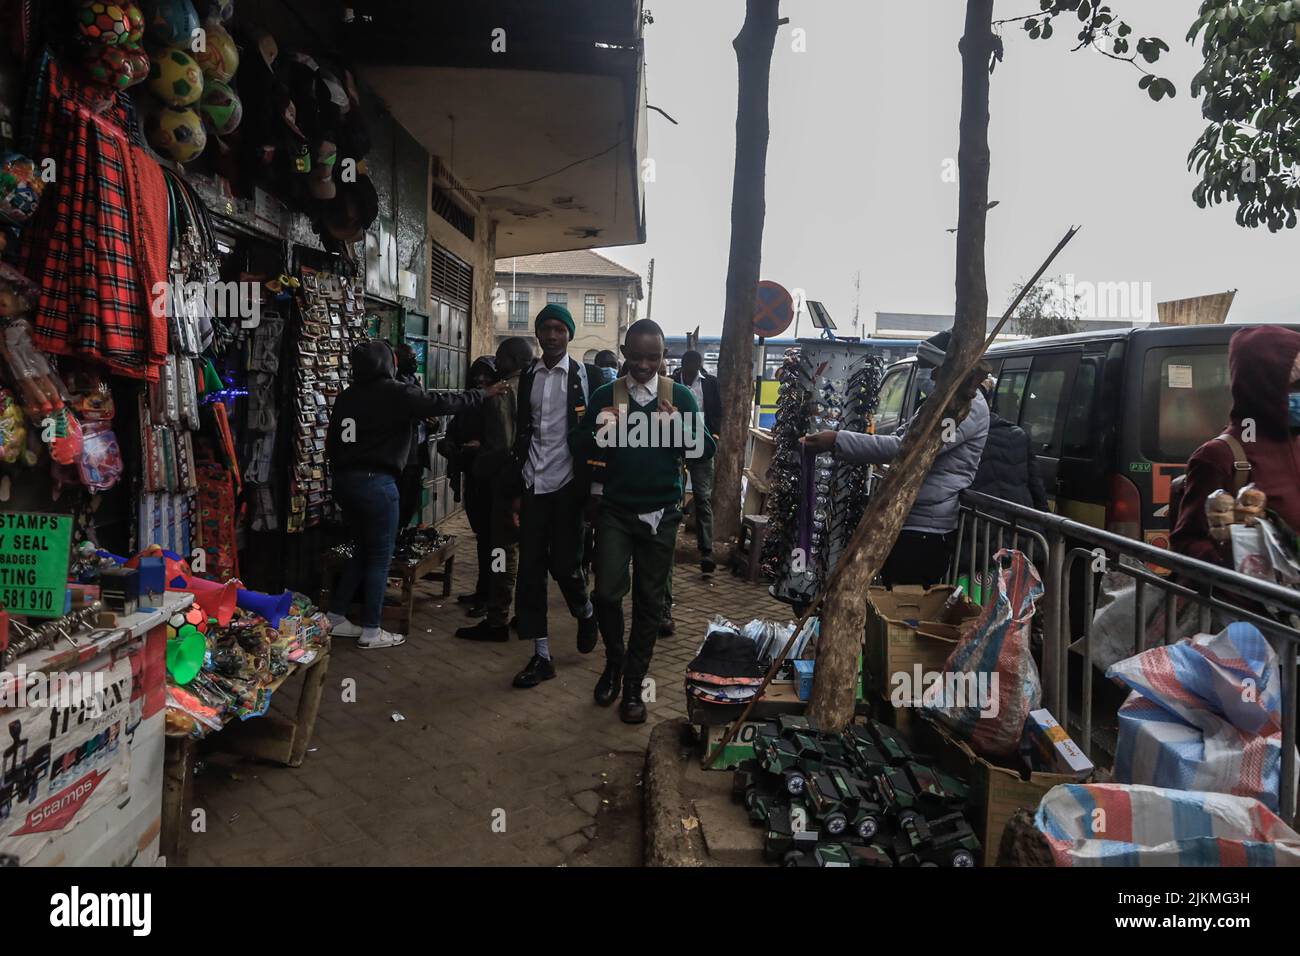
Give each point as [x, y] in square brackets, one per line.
[554, 310]
[354, 207]
[934, 350]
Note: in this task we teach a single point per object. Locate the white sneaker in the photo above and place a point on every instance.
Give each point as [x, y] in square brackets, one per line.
[382, 639]
[346, 629]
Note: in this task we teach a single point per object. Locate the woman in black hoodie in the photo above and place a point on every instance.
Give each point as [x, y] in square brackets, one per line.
[368, 446]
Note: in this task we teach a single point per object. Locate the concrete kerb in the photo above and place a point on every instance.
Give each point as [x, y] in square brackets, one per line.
[668, 842]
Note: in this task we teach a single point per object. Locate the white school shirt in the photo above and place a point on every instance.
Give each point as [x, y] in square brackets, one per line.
[550, 463]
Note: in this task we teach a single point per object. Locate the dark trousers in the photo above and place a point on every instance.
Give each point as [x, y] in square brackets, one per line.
[477, 498]
[918, 557]
[623, 539]
[411, 488]
[503, 560]
[550, 542]
[369, 501]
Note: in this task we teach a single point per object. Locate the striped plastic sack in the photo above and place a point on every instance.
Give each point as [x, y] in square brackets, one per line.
[993, 661]
[1110, 824]
[1205, 714]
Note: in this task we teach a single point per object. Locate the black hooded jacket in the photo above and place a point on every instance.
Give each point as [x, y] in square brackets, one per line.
[382, 410]
[1008, 467]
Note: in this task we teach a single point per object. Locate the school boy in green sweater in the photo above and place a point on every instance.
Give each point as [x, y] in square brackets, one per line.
[640, 427]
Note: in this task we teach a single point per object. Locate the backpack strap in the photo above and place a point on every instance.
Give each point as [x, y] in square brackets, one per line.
[665, 389]
[1240, 463]
[622, 398]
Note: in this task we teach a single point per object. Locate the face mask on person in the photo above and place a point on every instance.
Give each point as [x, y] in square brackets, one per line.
[1293, 409]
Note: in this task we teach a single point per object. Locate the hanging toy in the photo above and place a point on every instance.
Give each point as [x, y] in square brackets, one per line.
[100, 462]
[63, 432]
[176, 133]
[136, 23]
[105, 24]
[112, 66]
[20, 189]
[221, 108]
[13, 428]
[175, 78]
[173, 22]
[219, 58]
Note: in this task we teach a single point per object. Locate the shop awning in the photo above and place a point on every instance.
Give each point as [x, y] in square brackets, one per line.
[535, 110]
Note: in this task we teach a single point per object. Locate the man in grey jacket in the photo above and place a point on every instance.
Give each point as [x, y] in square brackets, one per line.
[924, 547]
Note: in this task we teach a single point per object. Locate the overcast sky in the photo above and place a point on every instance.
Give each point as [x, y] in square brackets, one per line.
[862, 125]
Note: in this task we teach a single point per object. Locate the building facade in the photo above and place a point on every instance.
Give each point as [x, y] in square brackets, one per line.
[602, 296]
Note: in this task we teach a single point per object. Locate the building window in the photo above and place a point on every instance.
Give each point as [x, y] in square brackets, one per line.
[557, 298]
[518, 310]
[593, 311]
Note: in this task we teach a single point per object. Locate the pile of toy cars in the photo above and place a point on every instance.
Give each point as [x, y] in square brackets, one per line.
[860, 798]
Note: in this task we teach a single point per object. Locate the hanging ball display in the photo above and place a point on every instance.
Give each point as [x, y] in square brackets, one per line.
[223, 10]
[20, 188]
[175, 78]
[173, 22]
[176, 133]
[139, 65]
[221, 108]
[113, 66]
[219, 59]
[135, 23]
[103, 23]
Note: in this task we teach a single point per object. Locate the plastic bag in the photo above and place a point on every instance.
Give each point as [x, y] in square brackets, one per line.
[100, 464]
[13, 428]
[994, 657]
[1205, 714]
[1111, 824]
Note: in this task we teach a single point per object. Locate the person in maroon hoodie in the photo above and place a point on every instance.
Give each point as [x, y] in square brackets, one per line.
[1264, 363]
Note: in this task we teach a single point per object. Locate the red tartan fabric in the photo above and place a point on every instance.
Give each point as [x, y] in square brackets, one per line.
[215, 529]
[80, 247]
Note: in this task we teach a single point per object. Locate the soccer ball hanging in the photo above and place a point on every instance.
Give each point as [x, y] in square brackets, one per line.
[103, 23]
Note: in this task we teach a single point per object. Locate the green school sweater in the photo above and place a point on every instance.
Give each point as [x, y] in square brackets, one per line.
[637, 475]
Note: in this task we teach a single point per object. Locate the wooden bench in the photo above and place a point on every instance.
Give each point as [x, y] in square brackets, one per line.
[436, 565]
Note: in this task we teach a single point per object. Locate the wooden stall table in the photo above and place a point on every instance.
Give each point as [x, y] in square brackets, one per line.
[436, 564]
[269, 737]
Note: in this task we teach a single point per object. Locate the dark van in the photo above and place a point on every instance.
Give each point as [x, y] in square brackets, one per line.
[1114, 415]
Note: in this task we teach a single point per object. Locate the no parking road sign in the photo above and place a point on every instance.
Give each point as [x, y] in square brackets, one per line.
[773, 310]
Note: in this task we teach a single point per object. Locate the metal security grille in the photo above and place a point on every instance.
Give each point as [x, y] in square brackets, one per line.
[457, 217]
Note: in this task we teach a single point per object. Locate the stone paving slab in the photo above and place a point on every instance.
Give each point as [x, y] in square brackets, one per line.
[477, 772]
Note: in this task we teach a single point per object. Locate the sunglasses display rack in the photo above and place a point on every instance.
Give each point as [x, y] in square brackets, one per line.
[331, 321]
[816, 501]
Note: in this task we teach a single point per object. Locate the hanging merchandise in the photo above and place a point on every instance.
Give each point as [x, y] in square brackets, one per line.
[219, 58]
[20, 188]
[112, 66]
[95, 298]
[13, 429]
[221, 108]
[816, 501]
[106, 24]
[176, 133]
[175, 78]
[171, 22]
[100, 462]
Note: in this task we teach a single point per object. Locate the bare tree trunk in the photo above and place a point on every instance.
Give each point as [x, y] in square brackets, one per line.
[844, 610]
[753, 47]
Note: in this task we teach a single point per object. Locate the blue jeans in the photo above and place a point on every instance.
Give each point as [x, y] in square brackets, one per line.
[369, 500]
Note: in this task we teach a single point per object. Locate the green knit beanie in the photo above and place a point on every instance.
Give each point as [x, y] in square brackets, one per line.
[560, 314]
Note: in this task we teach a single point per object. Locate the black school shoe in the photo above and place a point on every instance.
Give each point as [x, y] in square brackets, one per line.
[632, 709]
[483, 631]
[608, 686]
[707, 564]
[470, 598]
[667, 628]
[538, 670]
[588, 633]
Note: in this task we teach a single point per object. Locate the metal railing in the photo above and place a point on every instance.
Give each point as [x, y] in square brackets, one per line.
[1062, 549]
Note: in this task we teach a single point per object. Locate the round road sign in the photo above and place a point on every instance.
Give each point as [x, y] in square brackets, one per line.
[773, 310]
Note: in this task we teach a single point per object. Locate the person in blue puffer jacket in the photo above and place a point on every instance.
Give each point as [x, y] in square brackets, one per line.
[924, 546]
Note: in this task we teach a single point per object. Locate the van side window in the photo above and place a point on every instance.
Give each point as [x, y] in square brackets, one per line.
[1010, 390]
[892, 393]
[1078, 441]
[1186, 399]
[1040, 412]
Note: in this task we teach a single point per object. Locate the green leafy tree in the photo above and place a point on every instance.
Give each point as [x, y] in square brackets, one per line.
[1047, 309]
[1249, 153]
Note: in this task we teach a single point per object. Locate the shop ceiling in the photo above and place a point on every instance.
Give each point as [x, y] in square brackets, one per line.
[538, 110]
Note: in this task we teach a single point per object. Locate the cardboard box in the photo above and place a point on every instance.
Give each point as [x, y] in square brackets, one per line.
[804, 671]
[904, 629]
[1055, 747]
[996, 792]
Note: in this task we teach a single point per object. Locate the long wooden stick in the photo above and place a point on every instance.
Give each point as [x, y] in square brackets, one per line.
[950, 389]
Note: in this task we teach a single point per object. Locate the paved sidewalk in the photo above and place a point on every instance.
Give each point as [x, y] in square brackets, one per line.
[478, 772]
